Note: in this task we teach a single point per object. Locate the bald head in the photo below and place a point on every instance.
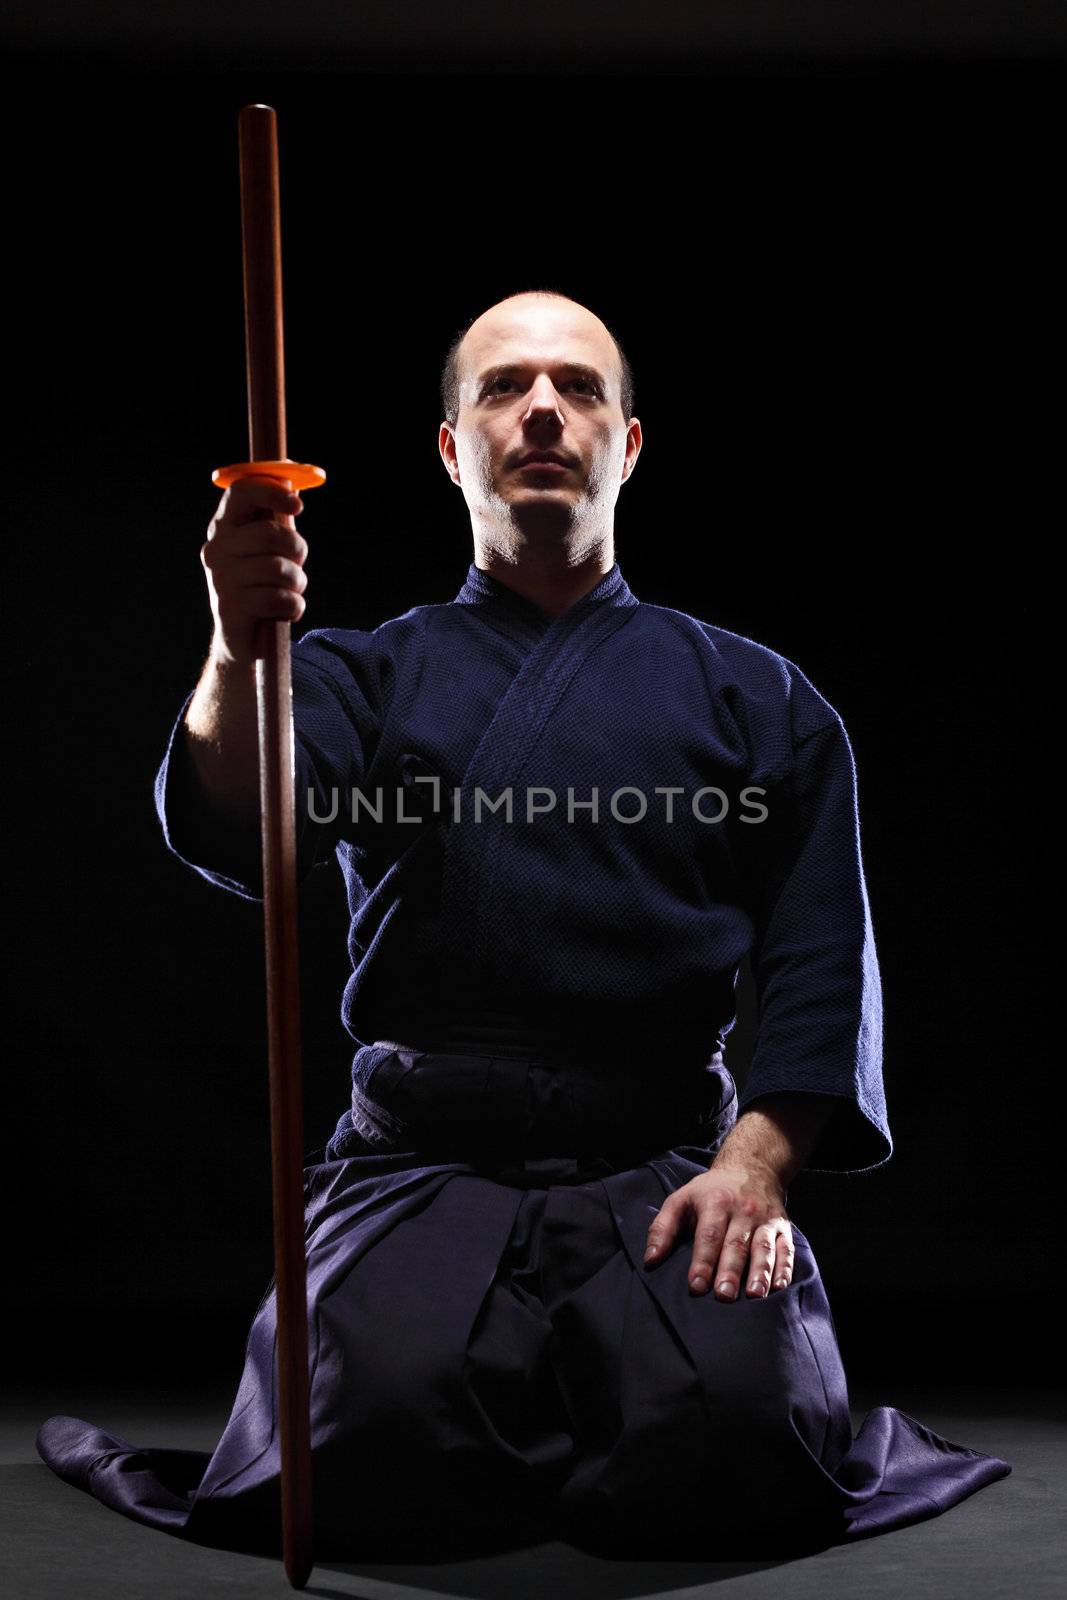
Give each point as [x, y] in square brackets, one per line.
[542, 321]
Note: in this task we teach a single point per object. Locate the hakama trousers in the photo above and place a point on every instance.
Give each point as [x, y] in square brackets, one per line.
[491, 1361]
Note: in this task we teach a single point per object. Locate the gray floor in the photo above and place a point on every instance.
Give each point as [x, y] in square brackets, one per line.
[1006, 1540]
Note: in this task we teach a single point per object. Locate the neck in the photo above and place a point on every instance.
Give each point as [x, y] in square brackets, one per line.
[551, 579]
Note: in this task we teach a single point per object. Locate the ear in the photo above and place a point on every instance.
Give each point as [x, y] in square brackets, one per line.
[446, 444]
[633, 448]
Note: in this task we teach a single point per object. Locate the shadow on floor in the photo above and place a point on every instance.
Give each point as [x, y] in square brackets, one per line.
[1008, 1539]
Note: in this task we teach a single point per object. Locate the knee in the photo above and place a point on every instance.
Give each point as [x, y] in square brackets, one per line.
[754, 1417]
[402, 1398]
[387, 1387]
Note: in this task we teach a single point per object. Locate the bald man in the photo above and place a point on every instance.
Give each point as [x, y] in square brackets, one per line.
[552, 1277]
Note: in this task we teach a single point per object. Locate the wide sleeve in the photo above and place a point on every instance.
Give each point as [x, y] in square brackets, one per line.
[336, 716]
[818, 986]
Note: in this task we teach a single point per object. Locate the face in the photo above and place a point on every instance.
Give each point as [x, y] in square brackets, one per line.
[539, 377]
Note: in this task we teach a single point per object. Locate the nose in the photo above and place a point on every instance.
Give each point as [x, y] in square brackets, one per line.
[544, 404]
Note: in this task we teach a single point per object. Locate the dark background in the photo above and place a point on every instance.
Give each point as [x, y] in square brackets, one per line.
[830, 256]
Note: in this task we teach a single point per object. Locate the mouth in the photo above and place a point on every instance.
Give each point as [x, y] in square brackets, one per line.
[543, 464]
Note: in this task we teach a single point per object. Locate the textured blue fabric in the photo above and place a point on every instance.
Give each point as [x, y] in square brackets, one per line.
[626, 927]
[489, 1355]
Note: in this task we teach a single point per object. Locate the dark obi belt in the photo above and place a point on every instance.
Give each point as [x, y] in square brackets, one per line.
[529, 1107]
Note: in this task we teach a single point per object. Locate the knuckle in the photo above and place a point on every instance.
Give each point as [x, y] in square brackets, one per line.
[281, 603]
[290, 542]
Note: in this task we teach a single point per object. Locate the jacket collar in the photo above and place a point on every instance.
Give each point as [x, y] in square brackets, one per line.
[479, 588]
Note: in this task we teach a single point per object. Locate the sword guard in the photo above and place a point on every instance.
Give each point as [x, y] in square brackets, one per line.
[297, 474]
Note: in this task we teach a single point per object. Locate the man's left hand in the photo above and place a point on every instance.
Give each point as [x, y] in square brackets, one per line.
[741, 1231]
[737, 1207]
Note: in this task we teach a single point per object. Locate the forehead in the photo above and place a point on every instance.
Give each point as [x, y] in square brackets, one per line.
[549, 331]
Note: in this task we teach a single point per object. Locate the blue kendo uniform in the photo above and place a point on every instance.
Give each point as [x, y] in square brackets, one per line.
[559, 838]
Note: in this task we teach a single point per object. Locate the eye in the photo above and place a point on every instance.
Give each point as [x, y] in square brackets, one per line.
[590, 385]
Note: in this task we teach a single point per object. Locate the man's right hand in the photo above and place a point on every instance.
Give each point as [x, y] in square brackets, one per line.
[254, 561]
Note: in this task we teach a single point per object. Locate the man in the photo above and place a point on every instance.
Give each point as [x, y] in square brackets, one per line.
[550, 1264]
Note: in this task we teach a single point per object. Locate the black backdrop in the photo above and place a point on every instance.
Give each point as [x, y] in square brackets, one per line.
[836, 292]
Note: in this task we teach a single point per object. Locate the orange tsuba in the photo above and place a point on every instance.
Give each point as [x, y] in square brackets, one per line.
[297, 474]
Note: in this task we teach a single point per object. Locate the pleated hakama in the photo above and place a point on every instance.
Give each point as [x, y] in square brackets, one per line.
[491, 1362]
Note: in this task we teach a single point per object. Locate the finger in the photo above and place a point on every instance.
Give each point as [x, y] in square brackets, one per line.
[282, 604]
[662, 1231]
[261, 538]
[249, 498]
[761, 1260]
[783, 1262]
[226, 539]
[733, 1259]
[707, 1243]
[273, 571]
